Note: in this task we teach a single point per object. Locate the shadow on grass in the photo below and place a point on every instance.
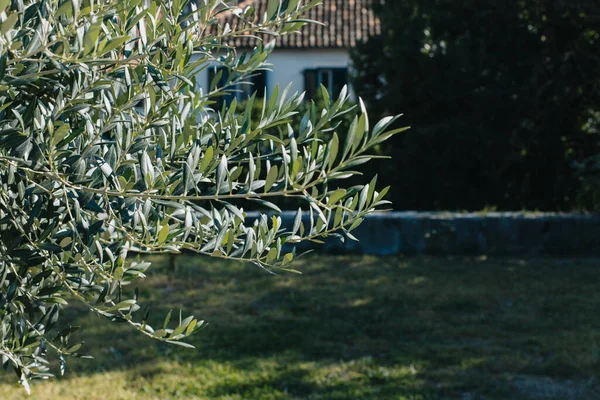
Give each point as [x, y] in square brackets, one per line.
[363, 328]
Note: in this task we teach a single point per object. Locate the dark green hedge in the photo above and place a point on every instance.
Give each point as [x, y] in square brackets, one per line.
[503, 98]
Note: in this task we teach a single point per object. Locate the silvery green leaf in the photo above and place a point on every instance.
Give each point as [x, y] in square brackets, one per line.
[221, 173]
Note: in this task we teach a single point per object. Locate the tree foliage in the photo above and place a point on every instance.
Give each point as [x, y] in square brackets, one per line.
[503, 98]
[108, 148]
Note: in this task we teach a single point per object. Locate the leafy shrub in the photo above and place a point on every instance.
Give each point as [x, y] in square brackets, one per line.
[107, 148]
[498, 95]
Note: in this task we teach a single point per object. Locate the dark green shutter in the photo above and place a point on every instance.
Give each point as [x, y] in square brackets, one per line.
[310, 83]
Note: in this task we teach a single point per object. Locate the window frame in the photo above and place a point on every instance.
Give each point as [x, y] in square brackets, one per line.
[331, 80]
[239, 91]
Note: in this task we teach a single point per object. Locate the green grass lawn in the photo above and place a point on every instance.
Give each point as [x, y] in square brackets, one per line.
[352, 328]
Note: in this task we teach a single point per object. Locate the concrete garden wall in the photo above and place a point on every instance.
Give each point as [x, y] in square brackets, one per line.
[412, 233]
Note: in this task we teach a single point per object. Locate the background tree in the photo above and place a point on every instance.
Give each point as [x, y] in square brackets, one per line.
[108, 148]
[501, 96]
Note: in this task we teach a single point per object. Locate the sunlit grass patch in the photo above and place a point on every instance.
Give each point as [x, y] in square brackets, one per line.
[350, 328]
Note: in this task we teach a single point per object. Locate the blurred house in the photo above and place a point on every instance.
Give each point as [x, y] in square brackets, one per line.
[317, 55]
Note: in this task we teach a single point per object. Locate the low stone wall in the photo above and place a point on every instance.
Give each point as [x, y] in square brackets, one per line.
[411, 233]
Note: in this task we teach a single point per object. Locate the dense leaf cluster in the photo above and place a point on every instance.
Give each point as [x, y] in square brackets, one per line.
[108, 148]
[503, 97]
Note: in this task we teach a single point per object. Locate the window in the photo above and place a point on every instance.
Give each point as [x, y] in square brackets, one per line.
[333, 79]
[241, 91]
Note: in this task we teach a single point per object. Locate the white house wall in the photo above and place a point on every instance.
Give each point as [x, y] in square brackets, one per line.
[289, 65]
